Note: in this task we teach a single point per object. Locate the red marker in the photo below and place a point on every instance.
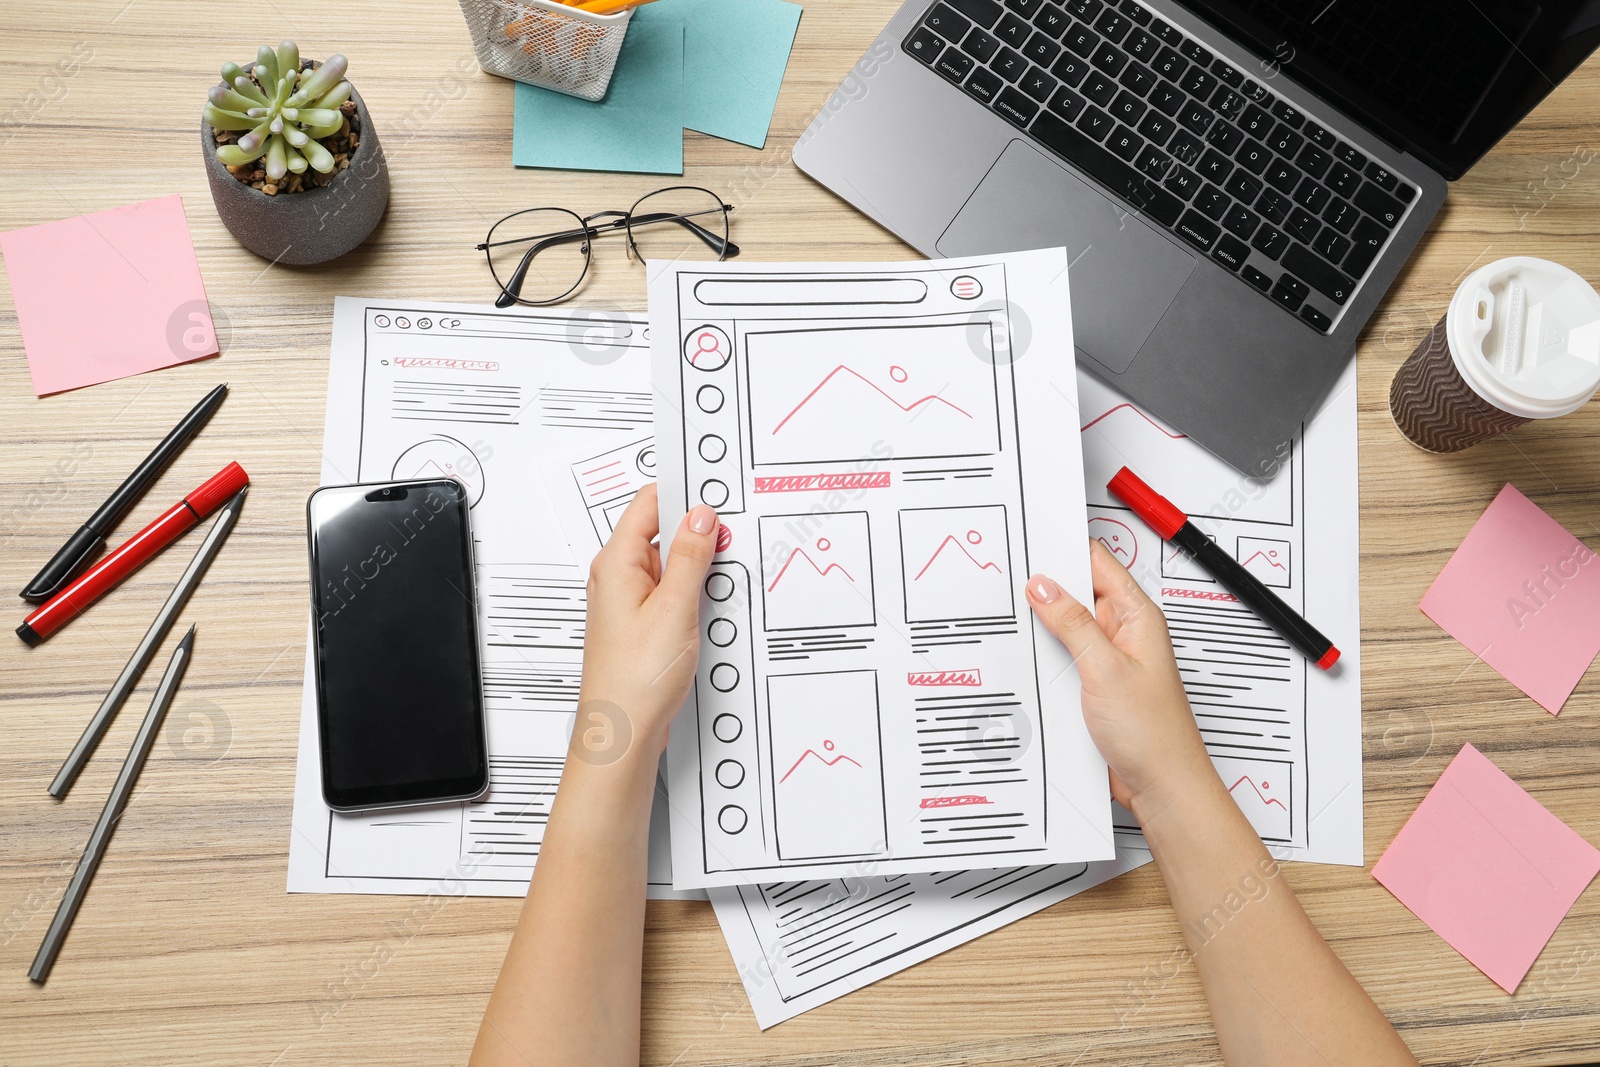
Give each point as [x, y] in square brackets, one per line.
[133, 553]
[1173, 525]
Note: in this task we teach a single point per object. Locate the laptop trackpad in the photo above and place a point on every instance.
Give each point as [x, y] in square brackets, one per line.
[1124, 274]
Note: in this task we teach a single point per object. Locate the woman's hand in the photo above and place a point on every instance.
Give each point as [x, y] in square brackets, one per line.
[1133, 698]
[643, 639]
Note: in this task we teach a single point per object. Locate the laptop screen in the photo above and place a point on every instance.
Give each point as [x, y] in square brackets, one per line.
[1444, 79]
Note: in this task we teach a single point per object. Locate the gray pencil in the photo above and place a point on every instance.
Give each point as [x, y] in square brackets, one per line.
[152, 639]
[115, 804]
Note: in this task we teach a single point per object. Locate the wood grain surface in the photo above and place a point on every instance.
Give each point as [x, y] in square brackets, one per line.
[188, 950]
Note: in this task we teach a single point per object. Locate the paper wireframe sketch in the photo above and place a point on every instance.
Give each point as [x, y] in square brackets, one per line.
[891, 449]
[1285, 737]
[591, 492]
[483, 396]
[798, 945]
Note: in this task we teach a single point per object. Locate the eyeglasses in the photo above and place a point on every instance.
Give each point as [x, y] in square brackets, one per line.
[540, 256]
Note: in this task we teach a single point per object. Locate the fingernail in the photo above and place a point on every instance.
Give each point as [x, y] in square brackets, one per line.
[1043, 589]
[703, 519]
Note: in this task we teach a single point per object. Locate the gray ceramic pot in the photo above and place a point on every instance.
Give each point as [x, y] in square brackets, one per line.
[307, 227]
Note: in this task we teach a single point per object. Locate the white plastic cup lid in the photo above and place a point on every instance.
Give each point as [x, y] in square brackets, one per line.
[1525, 334]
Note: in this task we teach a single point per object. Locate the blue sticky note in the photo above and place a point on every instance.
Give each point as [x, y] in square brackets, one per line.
[735, 53]
[638, 127]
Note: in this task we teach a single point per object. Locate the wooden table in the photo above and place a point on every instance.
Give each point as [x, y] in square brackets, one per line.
[188, 950]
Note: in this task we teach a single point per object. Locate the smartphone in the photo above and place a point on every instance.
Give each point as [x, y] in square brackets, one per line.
[400, 714]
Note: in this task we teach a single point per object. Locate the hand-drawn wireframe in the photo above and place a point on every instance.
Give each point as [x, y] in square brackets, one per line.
[865, 433]
[449, 398]
[1264, 716]
[823, 579]
[1117, 537]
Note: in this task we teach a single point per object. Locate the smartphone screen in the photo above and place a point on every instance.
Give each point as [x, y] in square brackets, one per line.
[399, 695]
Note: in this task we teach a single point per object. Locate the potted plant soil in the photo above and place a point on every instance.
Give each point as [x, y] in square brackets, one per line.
[293, 160]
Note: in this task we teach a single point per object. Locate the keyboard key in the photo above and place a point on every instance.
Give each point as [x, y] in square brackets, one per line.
[1105, 168]
[1138, 78]
[1314, 161]
[1183, 183]
[1369, 238]
[1195, 52]
[1350, 155]
[984, 85]
[1052, 21]
[1141, 46]
[1198, 83]
[1290, 292]
[924, 44]
[1015, 107]
[1082, 40]
[1231, 252]
[954, 65]
[1166, 32]
[1196, 116]
[1270, 241]
[1256, 121]
[1242, 187]
[1096, 124]
[1406, 193]
[1127, 107]
[1320, 137]
[1215, 166]
[1070, 69]
[1227, 102]
[1227, 72]
[984, 12]
[1275, 206]
[1302, 223]
[1013, 31]
[1156, 128]
[1255, 92]
[1256, 278]
[1166, 99]
[1316, 318]
[1253, 156]
[1041, 49]
[1154, 162]
[1066, 103]
[1197, 230]
[1112, 25]
[1342, 180]
[1039, 85]
[1083, 9]
[1169, 64]
[1025, 8]
[1330, 246]
[1224, 136]
[1381, 177]
[1099, 88]
[1340, 214]
[981, 46]
[1124, 143]
[1329, 281]
[1135, 11]
[1109, 58]
[1381, 206]
[1186, 147]
[946, 23]
[1281, 176]
[1241, 221]
[1212, 203]
[1009, 65]
[1312, 196]
[1287, 114]
[1285, 141]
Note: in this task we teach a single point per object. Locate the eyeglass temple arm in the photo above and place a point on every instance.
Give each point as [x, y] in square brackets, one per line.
[720, 245]
[513, 287]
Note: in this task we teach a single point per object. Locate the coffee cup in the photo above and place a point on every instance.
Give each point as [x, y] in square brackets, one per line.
[1520, 341]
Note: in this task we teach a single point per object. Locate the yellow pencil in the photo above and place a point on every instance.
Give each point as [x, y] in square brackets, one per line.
[610, 7]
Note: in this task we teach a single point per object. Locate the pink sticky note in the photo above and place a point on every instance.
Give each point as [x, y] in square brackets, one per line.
[1487, 867]
[1524, 594]
[108, 295]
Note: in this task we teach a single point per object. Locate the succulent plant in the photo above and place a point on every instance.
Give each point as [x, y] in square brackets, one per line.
[281, 111]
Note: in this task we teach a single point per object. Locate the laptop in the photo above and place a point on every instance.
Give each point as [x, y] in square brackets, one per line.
[1237, 183]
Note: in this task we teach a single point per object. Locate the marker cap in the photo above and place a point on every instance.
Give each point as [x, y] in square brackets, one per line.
[217, 490]
[1157, 511]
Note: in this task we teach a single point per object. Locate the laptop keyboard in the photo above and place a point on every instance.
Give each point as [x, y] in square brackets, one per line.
[1180, 134]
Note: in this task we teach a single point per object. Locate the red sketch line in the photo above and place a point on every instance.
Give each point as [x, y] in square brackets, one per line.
[1142, 415]
[801, 483]
[423, 469]
[1268, 560]
[448, 364]
[1257, 792]
[930, 398]
[823, 571]
[1199, 594]
[950, 539]
[826, 762]
[954, 802]
[944, 678]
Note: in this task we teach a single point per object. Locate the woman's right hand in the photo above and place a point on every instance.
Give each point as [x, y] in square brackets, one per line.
[1133, 698]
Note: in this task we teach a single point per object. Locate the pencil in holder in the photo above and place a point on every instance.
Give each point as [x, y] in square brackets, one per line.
[548, 44]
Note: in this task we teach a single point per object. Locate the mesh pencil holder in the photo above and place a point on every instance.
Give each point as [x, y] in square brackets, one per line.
[547, 44]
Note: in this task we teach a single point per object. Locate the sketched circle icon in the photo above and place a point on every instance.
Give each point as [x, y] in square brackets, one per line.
[1117, 537]
[966, 287]
[707, 348]
[441, 457]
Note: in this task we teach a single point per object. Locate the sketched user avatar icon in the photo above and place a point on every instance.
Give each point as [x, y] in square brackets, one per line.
[707, 348]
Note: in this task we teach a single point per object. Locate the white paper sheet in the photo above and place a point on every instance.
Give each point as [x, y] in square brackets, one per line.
[486, 397]
[1285, 736]
[873, 692]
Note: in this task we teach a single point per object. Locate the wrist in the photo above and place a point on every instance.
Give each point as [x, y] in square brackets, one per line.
[1189, 787]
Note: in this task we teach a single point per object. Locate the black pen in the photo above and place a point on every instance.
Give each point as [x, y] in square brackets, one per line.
[84, 545]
